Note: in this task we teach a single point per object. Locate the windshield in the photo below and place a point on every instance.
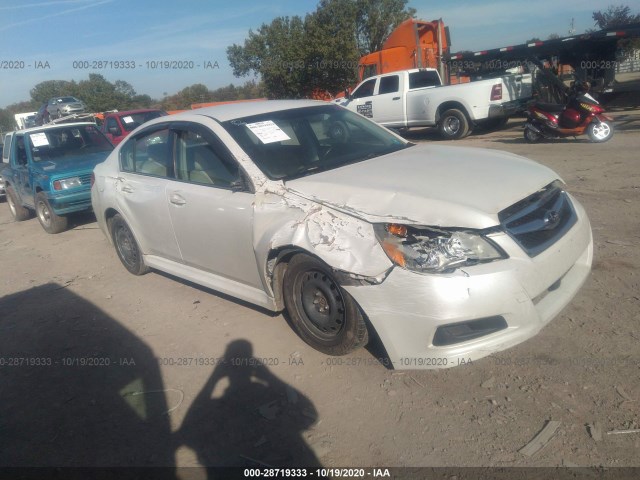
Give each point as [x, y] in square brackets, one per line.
[132, 121]
[67, 141]
[293, 143]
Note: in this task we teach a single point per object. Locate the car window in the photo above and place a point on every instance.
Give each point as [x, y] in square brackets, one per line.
[67, 142]
[111, 123]
[389, 84]
[292, 143]
[6, 148]
[148, 154]
[201, 160]
[133, 120]
[364, 90]
[423, 78]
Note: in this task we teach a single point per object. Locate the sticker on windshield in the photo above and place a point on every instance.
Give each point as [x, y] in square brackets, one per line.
[127, 119]
[268, 132]
[39, 139]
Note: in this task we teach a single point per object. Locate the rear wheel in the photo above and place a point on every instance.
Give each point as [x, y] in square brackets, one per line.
[453, 125]
[599, 131]
[322, 313]
[50, 221]
[126, 246]
[18, 212]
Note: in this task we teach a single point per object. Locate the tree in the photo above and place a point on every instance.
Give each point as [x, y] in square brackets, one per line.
[43, 91]
[296, 57]
[615, 16]
[376, 19]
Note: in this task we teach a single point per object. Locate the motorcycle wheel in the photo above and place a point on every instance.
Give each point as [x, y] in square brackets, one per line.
[600, 131]
[530, 136]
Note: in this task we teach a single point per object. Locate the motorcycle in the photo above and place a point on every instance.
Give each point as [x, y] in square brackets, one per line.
[581, 114]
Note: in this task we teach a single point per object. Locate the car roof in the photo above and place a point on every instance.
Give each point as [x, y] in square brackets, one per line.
[231, 111]
[56, 125]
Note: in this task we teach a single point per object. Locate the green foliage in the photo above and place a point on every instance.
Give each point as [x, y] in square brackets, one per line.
[615, 16]
[298, 57]
[199, 93]
[376, 19]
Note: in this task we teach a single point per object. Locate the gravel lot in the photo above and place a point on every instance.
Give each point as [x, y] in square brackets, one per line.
[105, 355]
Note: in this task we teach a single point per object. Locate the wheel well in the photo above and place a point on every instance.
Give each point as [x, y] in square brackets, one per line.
[277, 262]
[109, 214]
[449, 105]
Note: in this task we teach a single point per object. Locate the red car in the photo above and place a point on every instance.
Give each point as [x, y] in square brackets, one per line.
[118, 125]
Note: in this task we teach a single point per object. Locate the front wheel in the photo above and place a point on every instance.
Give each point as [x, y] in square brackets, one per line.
[530, 136]
[321, 312]
[126, 246]
[453, 125]
[50, 221]
[599, 131]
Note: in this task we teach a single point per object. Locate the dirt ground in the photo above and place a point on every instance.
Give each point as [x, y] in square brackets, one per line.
[99, 367]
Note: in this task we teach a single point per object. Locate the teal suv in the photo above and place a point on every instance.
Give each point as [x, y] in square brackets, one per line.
[50, 171]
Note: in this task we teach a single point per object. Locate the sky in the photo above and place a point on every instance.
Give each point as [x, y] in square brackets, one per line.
[69, 39]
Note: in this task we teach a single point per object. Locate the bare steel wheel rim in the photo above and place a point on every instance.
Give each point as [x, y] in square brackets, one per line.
[323, 307]
[44, 214]
[126, 246]
[601, 131]
[451, 125]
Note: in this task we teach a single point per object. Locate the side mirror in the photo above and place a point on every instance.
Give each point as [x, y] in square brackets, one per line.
[347, 93]
[115, 131]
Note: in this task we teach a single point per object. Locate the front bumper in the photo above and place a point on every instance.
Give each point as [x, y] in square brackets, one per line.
[527, 292]
[69, 202]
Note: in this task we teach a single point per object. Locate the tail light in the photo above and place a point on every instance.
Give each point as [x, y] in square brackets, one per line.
[496, 92]
[93, 178]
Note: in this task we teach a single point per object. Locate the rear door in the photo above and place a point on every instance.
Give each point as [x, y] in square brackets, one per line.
[211, 206]
[146, 168]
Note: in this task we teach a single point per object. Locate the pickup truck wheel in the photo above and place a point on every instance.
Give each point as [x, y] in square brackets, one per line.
[18, 212]
[50, 221]
[126, 246]
[321, 312]
[453, 125]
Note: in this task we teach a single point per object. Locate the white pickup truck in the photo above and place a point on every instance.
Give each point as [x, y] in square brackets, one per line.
[417, 98]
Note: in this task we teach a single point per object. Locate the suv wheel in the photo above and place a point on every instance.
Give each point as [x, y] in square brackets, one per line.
[50, 221]
[18, 212]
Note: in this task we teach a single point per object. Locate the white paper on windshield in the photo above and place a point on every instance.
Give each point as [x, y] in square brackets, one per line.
[127, 119]
[39, 139]
[268, 132]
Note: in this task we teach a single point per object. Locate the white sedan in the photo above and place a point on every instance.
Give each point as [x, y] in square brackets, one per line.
[448, 254]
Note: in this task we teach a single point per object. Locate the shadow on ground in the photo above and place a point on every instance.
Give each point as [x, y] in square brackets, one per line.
[81, 390]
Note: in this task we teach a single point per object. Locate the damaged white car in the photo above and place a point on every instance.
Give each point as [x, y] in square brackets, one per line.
[447, 254]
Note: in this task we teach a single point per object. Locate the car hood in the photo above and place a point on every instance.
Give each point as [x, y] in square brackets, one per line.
[70, 165]
[428, 185]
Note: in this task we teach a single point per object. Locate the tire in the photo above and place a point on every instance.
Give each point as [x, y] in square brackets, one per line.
[600, 132]
[18, 212]
[51, 222]
[321, 312]
[126, 246]
[530, 136]
[453, 125]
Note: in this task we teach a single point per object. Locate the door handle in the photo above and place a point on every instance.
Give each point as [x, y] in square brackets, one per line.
[368, 103]
[127, 189]
[177, 199]
[396, 98]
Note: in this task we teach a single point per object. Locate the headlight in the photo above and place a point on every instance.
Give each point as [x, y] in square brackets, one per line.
[67, 183]
[434, 250]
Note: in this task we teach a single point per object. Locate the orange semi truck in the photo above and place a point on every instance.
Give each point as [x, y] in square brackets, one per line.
[413, 44]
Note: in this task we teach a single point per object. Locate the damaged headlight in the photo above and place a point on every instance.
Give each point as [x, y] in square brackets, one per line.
[434, 250]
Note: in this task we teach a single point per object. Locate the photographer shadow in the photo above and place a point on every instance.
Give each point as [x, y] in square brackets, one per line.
[245, 416]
